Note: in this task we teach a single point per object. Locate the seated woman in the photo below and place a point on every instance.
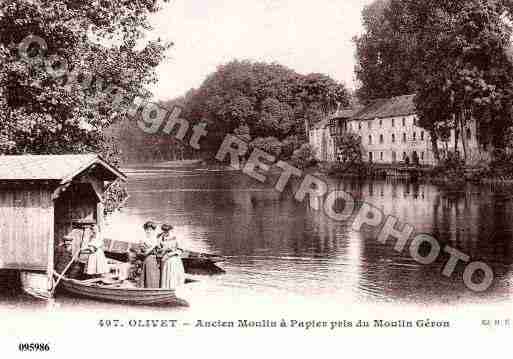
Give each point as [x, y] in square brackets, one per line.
[97, 262]
[150, 276]
[172, 270]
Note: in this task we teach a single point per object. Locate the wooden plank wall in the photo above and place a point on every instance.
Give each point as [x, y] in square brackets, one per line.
[26, 227]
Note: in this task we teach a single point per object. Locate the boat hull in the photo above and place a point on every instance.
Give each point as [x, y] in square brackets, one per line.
[136, 296]
[35, 284]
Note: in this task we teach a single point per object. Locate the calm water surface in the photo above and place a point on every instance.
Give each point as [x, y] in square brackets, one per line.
[277, 248]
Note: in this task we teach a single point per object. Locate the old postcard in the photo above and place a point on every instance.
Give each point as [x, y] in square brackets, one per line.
[247, 178]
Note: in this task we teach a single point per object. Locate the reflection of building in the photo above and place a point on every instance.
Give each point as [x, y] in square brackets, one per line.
[389, 132]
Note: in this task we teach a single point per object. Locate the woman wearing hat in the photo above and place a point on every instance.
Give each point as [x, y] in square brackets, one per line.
[150, 276]
[172, 274]
[97, 262]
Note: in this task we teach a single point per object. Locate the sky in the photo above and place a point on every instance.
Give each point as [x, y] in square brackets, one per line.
[305, 35]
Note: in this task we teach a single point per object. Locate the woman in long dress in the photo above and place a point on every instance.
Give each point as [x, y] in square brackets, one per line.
[97, 262]
[150, 277]
[172, 270]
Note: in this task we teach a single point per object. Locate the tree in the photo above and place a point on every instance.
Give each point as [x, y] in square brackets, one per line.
[350, 150]
[304, 157]
[384, 54]
[270, 145]
[272, 101]
[465, 71]
[455, 55]
[95, 62]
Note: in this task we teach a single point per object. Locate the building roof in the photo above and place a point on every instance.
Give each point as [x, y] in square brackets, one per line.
[61, 168]
[385, 108]
[344, 113]
[322, 124]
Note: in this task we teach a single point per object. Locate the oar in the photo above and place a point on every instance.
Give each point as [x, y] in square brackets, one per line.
[75, 257]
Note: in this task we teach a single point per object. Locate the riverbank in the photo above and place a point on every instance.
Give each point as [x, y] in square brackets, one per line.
[444, 175]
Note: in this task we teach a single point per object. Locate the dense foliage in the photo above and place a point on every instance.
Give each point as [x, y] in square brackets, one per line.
[268, 104]
[136, 146]
[456, 55]
[304, 156]
[62, 100]
[350, 151]
[384, 62]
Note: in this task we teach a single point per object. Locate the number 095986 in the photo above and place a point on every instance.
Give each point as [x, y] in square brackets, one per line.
[34, 347]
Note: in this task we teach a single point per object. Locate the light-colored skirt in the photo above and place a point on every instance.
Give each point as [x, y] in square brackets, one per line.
[150, 274]
[172, 273]
[97, 263]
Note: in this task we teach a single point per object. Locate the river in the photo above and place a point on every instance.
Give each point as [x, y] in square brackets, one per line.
[281, 251]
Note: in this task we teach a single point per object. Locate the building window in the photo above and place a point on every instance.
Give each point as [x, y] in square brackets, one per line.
[394, 157]
[370, 156]
[380, 123]
[404, 122]
[404, 137]
[359, 126]
[422, 156]
[422, 136]
[404, 156]
[393, 137]
[393, 122]
[370, 140]
[369, 124]
[381, 139]
[414, 136]
[381, 156]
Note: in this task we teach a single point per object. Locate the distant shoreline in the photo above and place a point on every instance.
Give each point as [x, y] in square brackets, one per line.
[173, 165]
[162, 165]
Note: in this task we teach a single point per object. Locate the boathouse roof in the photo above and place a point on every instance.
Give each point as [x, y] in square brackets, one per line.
[387, 108]
[62, 168]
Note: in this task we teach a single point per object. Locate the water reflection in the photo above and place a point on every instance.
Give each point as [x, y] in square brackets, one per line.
[277, 246]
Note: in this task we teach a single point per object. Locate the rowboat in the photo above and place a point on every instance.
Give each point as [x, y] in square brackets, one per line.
[118, 293]
[201, 263]
[193, 262]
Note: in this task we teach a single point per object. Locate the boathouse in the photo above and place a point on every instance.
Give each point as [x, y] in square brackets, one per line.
[43, 198]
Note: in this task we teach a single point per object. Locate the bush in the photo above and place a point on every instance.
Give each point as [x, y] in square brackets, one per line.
[270, 145]
[304, 157]
[350, 150]
[341, 169]
[115, 197]
[290, 145]
[450, 170]
[502, 164]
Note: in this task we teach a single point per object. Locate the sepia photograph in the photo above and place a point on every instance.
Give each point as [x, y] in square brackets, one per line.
[232, 178]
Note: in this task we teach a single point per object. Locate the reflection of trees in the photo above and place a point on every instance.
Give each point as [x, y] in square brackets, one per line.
[459, 219]
[245, 220]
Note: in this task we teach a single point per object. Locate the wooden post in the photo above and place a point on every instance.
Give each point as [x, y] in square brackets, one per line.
[51, 242]
[99, 216]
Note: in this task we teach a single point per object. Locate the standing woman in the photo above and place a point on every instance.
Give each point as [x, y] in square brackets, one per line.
[173, 272]
[150, 272]
[97, 262]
